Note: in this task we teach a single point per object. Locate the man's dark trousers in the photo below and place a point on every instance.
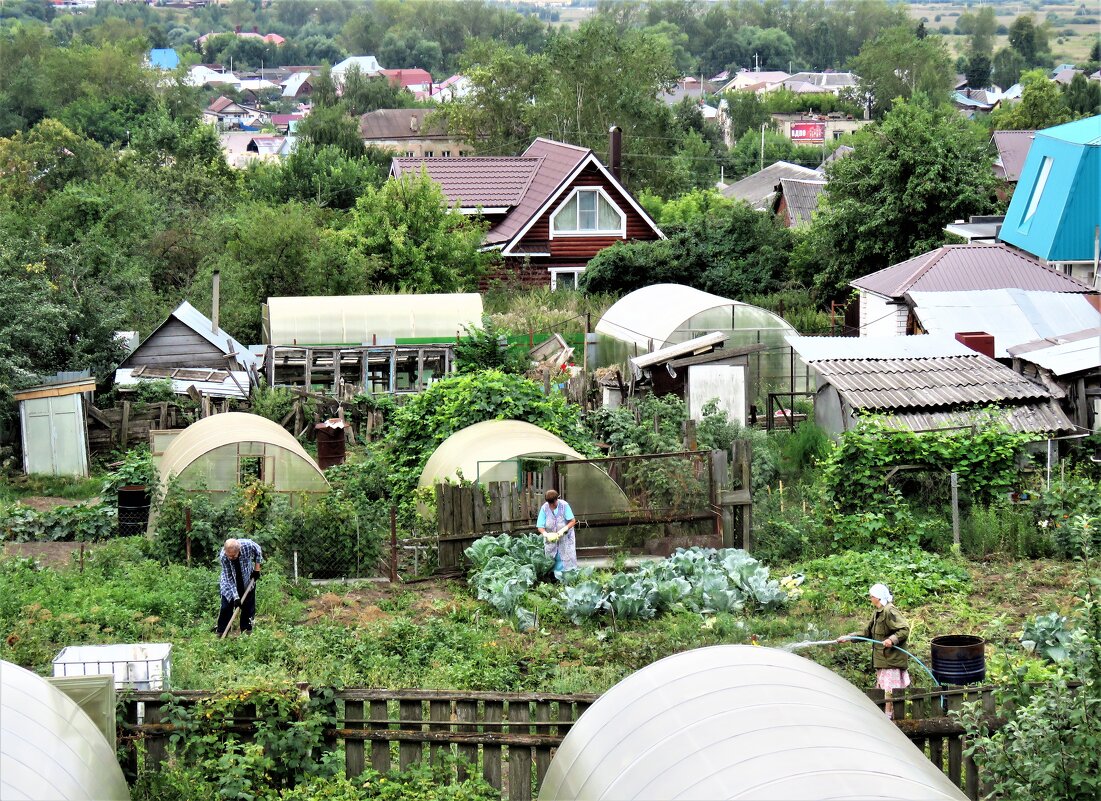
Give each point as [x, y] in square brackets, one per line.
[248, 612]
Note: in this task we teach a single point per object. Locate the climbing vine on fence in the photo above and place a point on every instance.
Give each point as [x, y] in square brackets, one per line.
[854, 475]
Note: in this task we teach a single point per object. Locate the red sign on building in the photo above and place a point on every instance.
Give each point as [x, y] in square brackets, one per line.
[811, 133]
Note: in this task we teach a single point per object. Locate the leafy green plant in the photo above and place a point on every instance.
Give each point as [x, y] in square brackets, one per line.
[487, 348]
[275, 403]
[1047, 636]
[137, 470]
[1050, 744]
[82, 523]
[913, 575]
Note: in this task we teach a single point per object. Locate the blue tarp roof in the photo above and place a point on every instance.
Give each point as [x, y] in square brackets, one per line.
[1057, 202]
[164, 58]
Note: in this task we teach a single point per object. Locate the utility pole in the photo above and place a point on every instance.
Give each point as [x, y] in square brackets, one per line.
[762, 146]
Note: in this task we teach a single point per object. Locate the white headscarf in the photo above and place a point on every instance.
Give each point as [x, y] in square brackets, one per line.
[881, 592]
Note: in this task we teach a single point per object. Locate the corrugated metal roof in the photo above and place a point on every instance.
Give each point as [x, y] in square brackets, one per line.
[801, 198]
[759, 189]
[738, 721]
[220, 384]
[979, 265]
[557, 161]
[201, 324]
[814, 349]
[884, 384]
[1064, 355]
[401, 123]
[1033, 418]
[1011, 316]
[1012, 147]
[472, 181]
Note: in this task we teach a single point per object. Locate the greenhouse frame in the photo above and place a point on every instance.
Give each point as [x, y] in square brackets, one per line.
[218, 452]
[660, 315]
[495, 450]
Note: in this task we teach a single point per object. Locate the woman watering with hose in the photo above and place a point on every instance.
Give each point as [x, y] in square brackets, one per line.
[889, 630]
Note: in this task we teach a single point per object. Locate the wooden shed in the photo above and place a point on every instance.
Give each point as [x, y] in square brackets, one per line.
[54, 433]
[189, 339]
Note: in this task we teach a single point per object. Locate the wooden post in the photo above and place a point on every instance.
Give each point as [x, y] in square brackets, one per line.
[380, 749]
[130, 761]
[124, 430]
[308, 377]
[393, 545]
[955, 510]
[467, 712]
[542, 754]
[690, 442]
[354, 763]
[439, 712]
[519, 758]
[420, 369]
[408, 753]
[336, 374]
[955, 747]
[716, 470]
[491, 754]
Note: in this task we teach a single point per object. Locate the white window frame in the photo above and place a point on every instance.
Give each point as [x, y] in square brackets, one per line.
[1037, 190]
[621, 232]
[555, 272]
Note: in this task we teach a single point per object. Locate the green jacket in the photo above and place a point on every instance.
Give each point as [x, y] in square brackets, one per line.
[887, 622]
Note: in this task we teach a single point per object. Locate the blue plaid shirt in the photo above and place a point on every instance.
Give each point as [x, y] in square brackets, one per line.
[250, 555]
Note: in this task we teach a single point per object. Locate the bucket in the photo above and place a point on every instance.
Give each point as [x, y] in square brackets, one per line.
[959, 659]
[133, 506]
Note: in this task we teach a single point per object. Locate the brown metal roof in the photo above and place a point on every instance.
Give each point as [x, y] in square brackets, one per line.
[400, 123]
[1013, 147]
[476, 181]
[524, 182]
[895, 384]
[801, 197]
[956, 268]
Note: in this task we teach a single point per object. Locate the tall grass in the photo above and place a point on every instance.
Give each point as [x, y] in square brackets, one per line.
[797, 307]
[75, 488]
[543, 311]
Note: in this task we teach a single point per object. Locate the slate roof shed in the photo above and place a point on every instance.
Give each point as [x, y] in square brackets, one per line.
[799, 199]
[759, 189]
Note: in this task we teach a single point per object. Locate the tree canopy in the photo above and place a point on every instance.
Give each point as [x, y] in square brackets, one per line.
[898, 64]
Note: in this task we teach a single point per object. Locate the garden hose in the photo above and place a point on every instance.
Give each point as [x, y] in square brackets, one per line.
[895, 647]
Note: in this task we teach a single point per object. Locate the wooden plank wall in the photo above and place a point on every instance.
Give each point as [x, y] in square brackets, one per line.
[511, 737]
[130, 423]
[465, 513]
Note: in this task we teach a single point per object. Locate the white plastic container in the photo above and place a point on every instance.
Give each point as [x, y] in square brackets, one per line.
[141, 666]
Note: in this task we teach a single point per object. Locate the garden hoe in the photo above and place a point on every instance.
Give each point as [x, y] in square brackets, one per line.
[237, 611]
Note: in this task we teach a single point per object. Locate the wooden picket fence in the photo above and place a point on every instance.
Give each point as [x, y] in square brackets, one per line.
[511, 737]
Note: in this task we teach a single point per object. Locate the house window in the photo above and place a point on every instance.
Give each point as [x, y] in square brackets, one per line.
[589, 211]
[1038, 189]
[409, 153]
[565, 277]
[429, 154]
[445, 153]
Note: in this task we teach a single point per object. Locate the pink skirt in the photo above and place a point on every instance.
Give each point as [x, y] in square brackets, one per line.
[888, 679]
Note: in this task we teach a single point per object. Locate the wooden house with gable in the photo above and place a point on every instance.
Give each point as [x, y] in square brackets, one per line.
[550, 210]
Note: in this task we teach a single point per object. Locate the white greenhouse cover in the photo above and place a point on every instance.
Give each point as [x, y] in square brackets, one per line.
[49, 747]
[648, 317]
[739, 721]
[487, 452]
[215, 444]
[370, 319]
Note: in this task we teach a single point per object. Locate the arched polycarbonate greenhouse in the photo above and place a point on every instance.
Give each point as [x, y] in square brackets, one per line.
[497, 450]
[49, 747]
[668, 314]
[218, 452]
[738, 721]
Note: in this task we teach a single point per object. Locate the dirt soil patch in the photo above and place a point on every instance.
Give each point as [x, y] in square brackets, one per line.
[49, 554]
[358, 607]
[369, 603]
[42, 503]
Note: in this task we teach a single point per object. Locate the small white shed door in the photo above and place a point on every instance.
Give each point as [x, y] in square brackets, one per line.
[53, 436]
[722, 382]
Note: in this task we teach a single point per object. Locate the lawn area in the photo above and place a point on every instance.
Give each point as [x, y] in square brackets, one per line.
[436, 634]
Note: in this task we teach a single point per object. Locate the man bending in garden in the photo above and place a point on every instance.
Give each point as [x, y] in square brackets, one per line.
[241, 560]
[556, 523]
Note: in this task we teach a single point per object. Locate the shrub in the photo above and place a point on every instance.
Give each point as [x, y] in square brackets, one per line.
[913, 575]
[1003, 528]
[84, 523]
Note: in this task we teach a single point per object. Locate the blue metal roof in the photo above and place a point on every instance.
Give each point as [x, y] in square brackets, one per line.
[164, 58]
[1057, 202]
